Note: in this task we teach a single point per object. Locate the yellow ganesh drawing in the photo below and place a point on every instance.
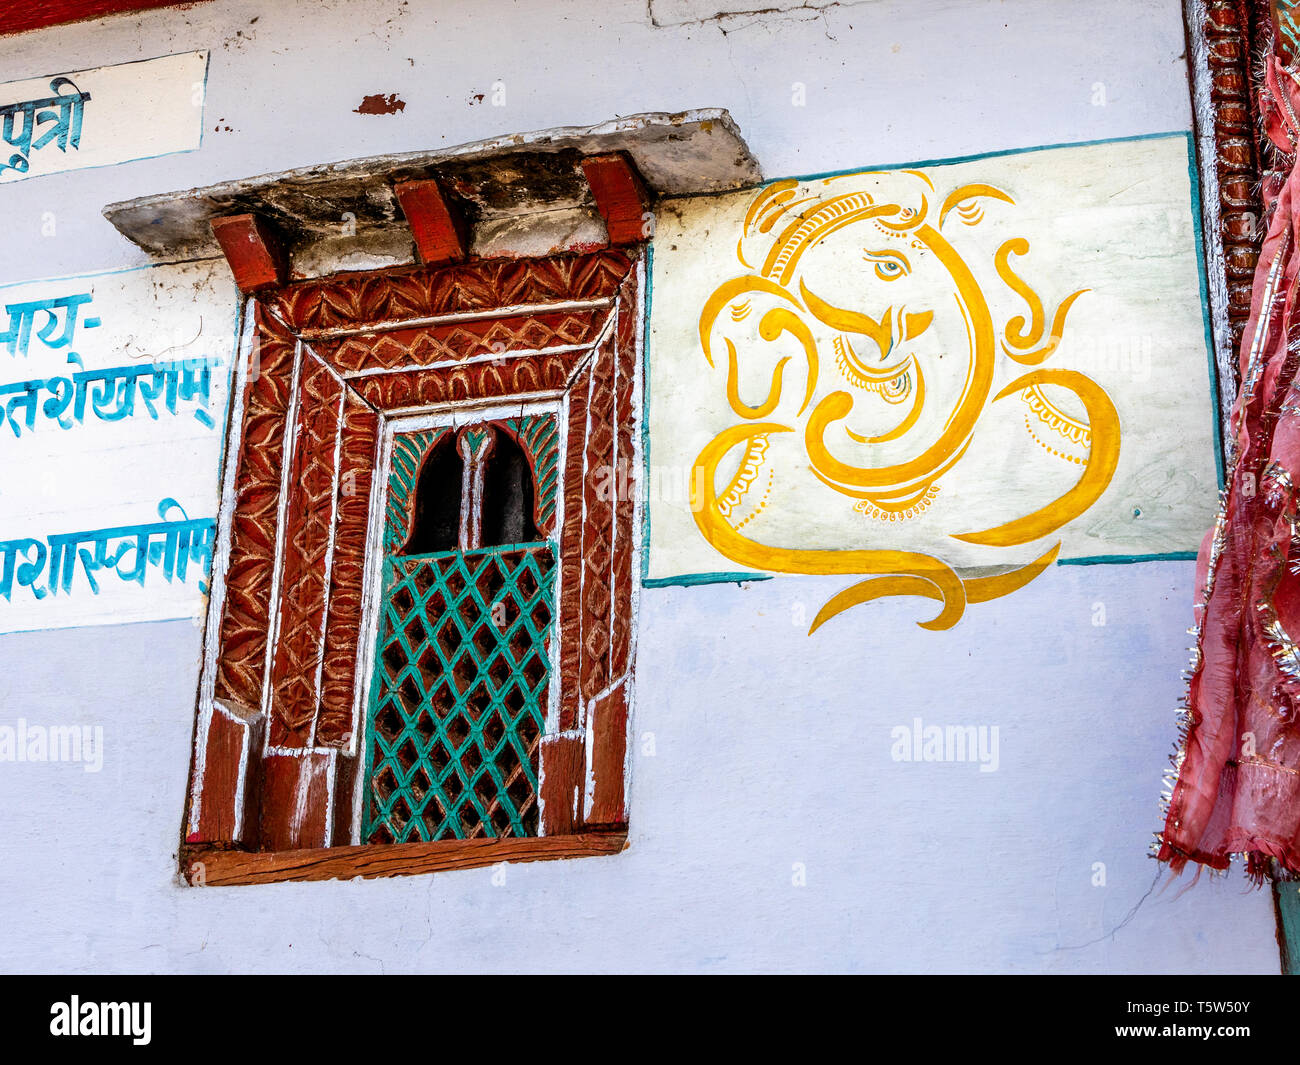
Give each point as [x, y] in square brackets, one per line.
[897, 349]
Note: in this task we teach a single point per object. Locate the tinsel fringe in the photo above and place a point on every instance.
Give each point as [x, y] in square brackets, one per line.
[1261, 863]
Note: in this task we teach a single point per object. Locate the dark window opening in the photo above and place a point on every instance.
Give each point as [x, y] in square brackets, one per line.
[436, 523]
[508, 495]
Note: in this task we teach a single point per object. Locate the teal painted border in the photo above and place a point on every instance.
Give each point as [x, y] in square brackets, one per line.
[189, 618]
[1194, 182]
[692, 579]
[1286, 900]
[1120, 560]
[1000, 153]
[688, 580]
[106, 273]
[645, 412]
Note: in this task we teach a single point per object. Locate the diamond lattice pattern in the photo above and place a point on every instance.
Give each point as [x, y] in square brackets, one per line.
[458, 704]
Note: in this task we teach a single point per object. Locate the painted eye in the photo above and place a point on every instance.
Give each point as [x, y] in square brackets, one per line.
[889, 266]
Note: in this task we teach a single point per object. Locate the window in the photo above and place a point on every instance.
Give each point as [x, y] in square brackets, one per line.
[461, 676]
[419, 641]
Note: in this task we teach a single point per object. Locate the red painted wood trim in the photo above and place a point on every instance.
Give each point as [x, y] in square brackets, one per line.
[353, 300]
[209, 867]
[295, 800]
[621, 196]
[562, 759]
[232, 747]
[37, 14]
[608, 805]
[441, 231]
[254, 251]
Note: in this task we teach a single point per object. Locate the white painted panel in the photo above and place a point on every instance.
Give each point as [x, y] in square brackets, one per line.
[1096, 244]
[114, 388]
[98, 117]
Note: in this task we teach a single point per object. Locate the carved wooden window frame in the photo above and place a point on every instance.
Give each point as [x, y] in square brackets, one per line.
[1226, 39]
[324, 364]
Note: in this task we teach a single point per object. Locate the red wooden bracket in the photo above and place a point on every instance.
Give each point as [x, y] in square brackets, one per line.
[441, 231]
[254, 251]
[621, 196]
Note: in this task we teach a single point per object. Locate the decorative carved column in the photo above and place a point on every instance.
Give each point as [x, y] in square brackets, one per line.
[1223, 37]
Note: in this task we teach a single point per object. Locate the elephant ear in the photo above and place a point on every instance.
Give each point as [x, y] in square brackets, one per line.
[966, 201]
[741, 290]
[769, 205]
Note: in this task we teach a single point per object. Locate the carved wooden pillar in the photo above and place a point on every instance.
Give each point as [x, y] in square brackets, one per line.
[1224, 37]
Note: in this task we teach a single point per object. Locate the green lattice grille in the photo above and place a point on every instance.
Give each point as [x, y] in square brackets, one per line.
[457, 709]
[457, 703]
[408, 450]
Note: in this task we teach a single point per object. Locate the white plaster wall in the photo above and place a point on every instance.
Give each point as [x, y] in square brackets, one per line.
[770, 748]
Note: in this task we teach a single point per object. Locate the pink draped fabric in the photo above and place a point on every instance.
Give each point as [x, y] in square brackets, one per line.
[1236, 786]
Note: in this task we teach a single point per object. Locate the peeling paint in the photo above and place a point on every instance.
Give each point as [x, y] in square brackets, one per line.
[379, 104]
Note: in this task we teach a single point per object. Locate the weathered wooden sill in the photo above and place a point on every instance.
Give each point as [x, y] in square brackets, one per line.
[212, 867]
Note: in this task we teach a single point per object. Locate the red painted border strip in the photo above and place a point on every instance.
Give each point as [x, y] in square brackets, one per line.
[38, 14]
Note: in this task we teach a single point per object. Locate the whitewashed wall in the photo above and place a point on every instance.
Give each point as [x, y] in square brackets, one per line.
[771, 829]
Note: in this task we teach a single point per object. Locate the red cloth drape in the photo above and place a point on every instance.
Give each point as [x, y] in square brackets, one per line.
[1236, 787]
